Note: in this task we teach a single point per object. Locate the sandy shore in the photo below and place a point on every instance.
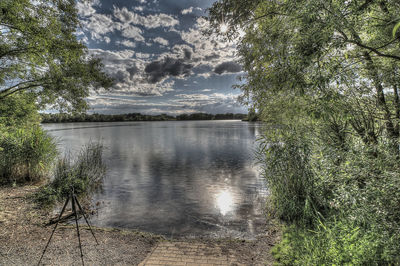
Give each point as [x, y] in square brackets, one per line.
[23, 235]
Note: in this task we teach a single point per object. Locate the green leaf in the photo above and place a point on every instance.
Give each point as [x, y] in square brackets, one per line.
[395, 29]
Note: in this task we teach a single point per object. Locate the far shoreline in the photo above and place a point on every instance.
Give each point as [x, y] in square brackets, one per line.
[137, 117]
[88, 122]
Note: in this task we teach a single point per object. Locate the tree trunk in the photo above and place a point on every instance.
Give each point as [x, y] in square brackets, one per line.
[381, 97]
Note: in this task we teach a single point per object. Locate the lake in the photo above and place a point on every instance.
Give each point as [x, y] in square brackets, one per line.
[175, 178]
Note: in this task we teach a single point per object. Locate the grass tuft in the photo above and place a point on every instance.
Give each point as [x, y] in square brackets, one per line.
[26, 155]
[82, 176]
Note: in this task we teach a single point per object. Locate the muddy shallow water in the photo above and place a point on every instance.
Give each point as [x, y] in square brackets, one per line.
[183, 178]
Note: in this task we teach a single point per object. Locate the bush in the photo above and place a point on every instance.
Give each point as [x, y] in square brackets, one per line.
[26, 155]
[355, 191]
[82, 176]
[335, 243]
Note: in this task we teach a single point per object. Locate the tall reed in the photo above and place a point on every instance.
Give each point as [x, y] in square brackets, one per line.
[26, 155]
[82, 176]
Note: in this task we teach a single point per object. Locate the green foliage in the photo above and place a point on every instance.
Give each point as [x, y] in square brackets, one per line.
[19, 111]
[26, 155]
[335, 243]
[252, 116]
[294, 189]
[324, 76]
[82, 176]
[395, 28]
[354, 187]
[40, 54]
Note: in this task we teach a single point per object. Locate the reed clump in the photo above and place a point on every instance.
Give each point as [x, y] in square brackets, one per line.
[26, 155]
[81, 176]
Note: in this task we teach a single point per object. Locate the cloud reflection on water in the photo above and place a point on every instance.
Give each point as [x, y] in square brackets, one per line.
[180, 178]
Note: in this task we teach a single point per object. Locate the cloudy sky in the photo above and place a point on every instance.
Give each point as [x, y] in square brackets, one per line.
[161, 61]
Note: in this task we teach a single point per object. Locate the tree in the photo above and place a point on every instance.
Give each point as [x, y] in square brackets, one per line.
[40, 54]
[325, 50]
[324, 76]
[19, 111]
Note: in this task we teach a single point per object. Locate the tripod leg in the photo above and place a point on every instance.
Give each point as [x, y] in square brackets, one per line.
[54, 229]
[84, 216]
[77, 226]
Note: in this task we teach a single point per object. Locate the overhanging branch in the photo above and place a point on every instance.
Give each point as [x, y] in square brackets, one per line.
[375, 50]
[21, 86]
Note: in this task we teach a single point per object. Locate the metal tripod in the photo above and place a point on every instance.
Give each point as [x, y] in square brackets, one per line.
[74, 200]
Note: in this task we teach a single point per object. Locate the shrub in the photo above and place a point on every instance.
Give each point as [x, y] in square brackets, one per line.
[338, 242]
[82, 176]
[356, 192]
[291, 180]
[26, 154]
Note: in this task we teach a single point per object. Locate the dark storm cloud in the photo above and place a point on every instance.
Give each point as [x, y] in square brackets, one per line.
[211, 57]
[158, 70]
[132, 71]
[229, 67]
[119, 76]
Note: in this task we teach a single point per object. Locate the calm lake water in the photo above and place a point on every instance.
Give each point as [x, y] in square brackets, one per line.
[183, 178]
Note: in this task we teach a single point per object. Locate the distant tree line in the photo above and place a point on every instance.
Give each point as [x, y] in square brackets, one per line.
[82, 117]
[204, 116]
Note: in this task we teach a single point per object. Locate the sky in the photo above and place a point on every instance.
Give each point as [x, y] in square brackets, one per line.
[159, 57]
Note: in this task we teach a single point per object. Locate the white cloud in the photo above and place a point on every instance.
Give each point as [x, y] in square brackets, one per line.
[85, 40]
[127, 67]
[208, 50]
[143, 88]
[182, 50]
[210, 98]
[161, 41]
[150, 21]
[139, 8]
[180, 104]
[205, 75]
[190, 10]
[126, 43]
[132, 32]
[214, 103]
[99, 25]
[143, 55]
[112, 58]
[194, 97]
[86, 8]
[187, 11]
[128, 73]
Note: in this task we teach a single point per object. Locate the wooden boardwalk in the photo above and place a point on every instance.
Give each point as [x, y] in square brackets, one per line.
[189, 254]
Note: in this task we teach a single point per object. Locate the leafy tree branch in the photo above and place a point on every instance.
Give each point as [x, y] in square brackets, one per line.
[41, 54]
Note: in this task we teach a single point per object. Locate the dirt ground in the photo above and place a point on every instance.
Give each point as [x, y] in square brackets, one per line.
[23, 236]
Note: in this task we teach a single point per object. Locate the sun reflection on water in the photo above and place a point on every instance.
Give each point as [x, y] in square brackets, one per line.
[224, 202]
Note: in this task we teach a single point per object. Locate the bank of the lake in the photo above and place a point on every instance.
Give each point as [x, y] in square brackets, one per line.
[23, 235]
